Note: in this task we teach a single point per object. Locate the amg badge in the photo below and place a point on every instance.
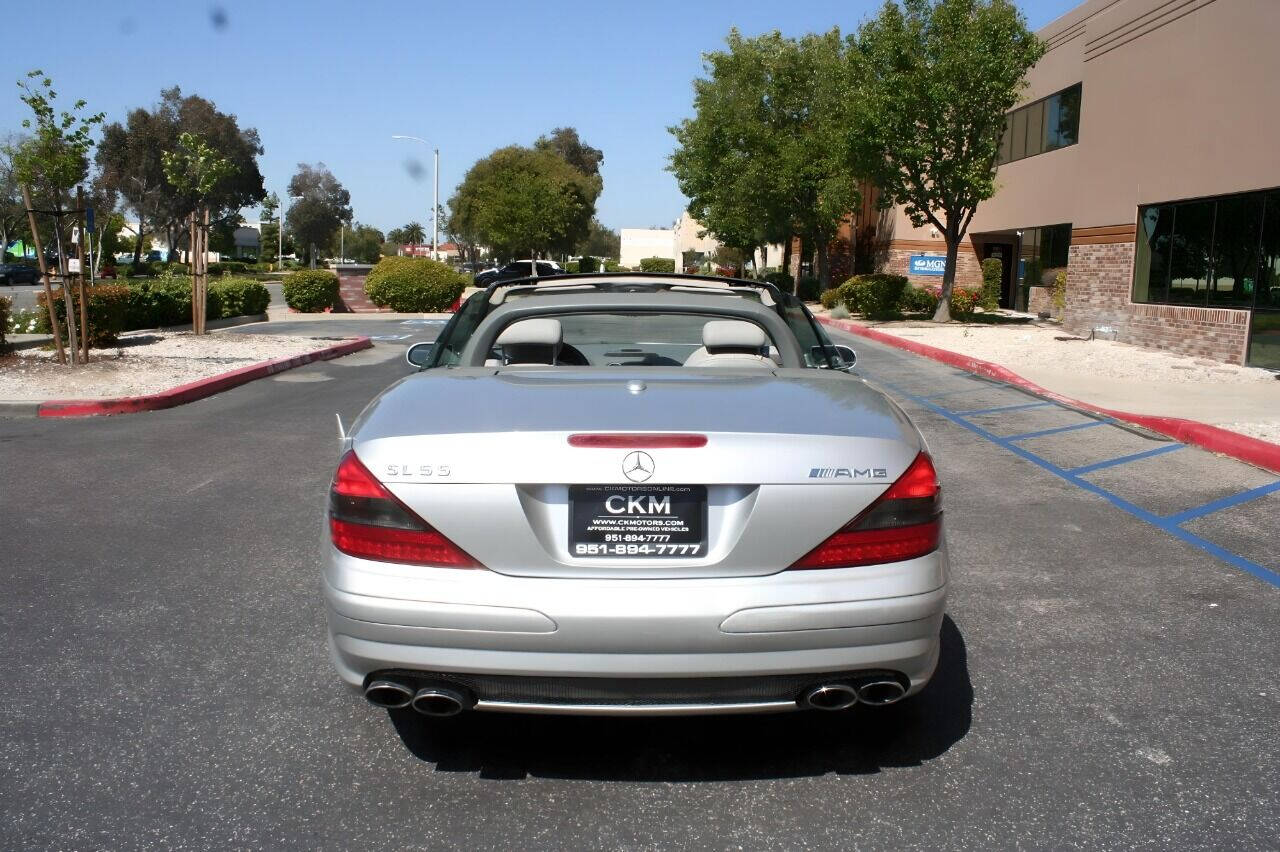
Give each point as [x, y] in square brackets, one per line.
[848, 473]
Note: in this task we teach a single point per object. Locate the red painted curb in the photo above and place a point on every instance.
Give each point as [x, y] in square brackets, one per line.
[192, 391]
[1263, 454]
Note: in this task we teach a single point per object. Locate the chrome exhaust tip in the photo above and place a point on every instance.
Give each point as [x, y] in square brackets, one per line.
[388, 694]
[830, 696]
[440, 701]
[880, 691]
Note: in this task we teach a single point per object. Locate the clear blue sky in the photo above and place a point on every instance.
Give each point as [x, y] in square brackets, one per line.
[331, 82]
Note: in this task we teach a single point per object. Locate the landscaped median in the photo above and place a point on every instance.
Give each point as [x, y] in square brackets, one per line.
[151, 371]
[1096, 375]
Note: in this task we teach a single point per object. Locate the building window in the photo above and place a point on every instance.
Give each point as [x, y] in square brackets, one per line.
[1211, 252]
[1046, 125]
[1042, 256]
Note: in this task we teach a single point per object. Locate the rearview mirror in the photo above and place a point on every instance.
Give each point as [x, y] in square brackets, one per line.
[419, 354]
[847, 356]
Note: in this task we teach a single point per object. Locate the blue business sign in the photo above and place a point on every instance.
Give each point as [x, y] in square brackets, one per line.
[923, 264]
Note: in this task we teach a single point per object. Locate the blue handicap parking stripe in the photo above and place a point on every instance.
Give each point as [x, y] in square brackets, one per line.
[1005, 408]
[1073, 427]
[1158, 451]
[1224, 503]
[1169, 525]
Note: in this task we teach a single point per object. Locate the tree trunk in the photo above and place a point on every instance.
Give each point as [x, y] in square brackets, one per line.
[44, 274]
[786, 255]
[137, 244]
[822, 251]
[943, 312]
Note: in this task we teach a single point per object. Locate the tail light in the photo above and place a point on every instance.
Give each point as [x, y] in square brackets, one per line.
[366, 520]
[903, 523]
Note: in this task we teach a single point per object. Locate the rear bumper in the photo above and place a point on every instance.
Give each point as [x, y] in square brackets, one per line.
[875, 618]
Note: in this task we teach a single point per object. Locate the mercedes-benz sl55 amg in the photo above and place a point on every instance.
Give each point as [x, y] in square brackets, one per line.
[649, 494]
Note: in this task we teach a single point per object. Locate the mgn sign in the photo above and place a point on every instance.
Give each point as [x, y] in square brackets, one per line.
[923, 264]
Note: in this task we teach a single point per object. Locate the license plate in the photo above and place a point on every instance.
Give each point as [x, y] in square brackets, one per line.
[638, 522]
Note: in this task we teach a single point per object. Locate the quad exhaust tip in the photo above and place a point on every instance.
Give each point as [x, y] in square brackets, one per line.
[431, 699]
[388, 694]
[874, 691]
[831, 696]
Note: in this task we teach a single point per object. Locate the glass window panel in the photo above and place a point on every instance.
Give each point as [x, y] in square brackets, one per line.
[1235, 251]
[1151, 266]
[1006, 141]
[1192, 256]
[1269, 269]
[1052, 110]
[1019, 135]
[1064, 118]
[1264, 340]
[1035, 129]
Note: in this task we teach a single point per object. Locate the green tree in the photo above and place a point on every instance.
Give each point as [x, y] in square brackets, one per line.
[413, 234]
[564, 142]
[766, 154]
[13, 212]
[130, 162]
[600, 241]
[522, 201]
[362, 243]
[937, 77]
[48, 164]
[322, 205]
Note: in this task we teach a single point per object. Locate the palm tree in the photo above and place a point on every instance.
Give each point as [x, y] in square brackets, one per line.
[414, 233]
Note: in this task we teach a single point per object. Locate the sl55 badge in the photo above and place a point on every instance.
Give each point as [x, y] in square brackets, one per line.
[848, 473]
[423, 471]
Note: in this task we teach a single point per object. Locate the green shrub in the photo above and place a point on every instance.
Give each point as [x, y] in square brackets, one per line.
[808, 289]
[229, 267]
[158, 303]
[237, 297]
[107, 306]
[311, 291]
[141, 268]
[414, 284]
[918, 300]
[615, 266]
[571, 266]
[964, 302]
[875, 295]
[829, 298]
[657, 264]
[781, 280]
[992, 279]
[1058, 295]
[592, 264]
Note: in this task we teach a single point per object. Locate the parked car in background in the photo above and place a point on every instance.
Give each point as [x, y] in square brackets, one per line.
[518, 269]
[18, 273]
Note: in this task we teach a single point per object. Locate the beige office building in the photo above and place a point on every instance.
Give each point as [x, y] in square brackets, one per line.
[1145, 159]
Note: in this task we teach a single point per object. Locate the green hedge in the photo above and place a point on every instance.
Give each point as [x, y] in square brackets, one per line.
[918, 300]
[229, 267]
[992, 279]
[615, 266]
[875, 295]
[808, 289]
[414, 284]
[657, 264]
[830, 298]
[592, 264]
[237, 297]
[311, 291]
[107, 307]
[781, 280]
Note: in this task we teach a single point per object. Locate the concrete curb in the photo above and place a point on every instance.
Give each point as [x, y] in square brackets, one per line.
[194, 390]
[1212, 438]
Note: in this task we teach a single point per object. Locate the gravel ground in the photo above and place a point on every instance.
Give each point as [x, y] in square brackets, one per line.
[1116, 375]
[143, 363]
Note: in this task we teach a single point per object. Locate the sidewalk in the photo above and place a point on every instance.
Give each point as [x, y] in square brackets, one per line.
[1113, 375]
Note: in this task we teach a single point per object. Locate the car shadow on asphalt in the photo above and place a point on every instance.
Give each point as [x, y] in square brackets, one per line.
[705, 748]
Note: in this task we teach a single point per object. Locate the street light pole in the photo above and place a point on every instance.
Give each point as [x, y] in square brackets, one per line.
[280, 241]
[435, 199]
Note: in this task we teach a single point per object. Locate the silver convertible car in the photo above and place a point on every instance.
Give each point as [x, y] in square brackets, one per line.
[633, 494]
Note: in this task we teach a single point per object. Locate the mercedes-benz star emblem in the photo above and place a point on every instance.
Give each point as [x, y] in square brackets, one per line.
[637, 466]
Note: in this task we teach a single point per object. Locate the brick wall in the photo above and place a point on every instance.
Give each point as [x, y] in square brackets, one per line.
[968, 269]
[1099, 285]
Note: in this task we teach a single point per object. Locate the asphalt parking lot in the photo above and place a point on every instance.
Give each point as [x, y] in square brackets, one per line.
[1107, 677]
